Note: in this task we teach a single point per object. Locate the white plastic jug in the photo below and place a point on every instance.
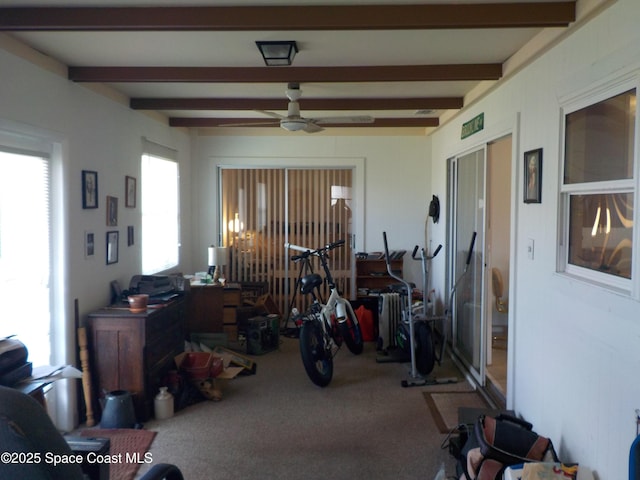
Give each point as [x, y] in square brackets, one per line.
[163, 404]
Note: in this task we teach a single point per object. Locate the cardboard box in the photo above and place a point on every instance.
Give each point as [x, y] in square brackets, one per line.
[212, 387]
[230, 357]
[266, 304]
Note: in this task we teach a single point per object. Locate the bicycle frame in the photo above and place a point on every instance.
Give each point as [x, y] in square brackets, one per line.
[327, 325]
[335, 305]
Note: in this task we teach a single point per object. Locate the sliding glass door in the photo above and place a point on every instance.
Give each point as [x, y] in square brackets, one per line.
[264, 208]
[467, 185]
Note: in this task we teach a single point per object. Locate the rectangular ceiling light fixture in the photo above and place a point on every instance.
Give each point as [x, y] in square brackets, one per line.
[278, 53]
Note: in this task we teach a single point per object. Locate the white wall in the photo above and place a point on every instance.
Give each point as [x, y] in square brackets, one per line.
[393, 170]
[575, 346]
[94, 133]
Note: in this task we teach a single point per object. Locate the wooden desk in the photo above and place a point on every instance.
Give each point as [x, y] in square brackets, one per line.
[205, 313]
[212, 309]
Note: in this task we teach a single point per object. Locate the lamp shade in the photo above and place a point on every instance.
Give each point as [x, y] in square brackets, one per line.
[217, 256]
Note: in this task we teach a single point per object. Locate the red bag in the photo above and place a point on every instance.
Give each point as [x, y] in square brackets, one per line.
[365, 319]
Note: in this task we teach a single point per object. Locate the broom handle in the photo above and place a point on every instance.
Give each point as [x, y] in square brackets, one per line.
[86, 374]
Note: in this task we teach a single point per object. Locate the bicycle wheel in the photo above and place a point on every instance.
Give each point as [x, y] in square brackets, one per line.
[425, 355]
[318, 363]
[351, 334]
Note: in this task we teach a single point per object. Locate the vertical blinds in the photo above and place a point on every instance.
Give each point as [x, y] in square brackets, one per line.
[262, 209]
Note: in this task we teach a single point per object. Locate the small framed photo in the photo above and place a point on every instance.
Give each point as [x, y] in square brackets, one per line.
[112, 247]
[533, 176]
[89, 189]
[112, 211]
[130, 192]
[89, 244]
[130, 240]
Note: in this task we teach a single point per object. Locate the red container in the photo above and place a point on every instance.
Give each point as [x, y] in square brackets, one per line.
[216, 367]
[197, 365]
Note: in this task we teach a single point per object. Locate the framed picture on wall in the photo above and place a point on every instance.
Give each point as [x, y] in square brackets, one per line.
[89, 244]
[112, 247]
[112, 211]
[533, 176]
[130, 239]
[89, 189]
[130, 192]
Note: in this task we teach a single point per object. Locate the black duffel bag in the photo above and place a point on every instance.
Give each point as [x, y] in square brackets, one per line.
[499, 442]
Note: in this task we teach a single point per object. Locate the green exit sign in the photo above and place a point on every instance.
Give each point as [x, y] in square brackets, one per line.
[472, 126]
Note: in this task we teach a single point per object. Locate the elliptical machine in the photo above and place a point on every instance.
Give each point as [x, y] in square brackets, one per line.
[415, 334]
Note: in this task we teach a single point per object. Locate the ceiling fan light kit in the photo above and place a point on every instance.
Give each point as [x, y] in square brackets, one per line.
[278, 53]
[295, 122]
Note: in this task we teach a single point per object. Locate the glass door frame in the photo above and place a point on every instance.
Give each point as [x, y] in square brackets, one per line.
[479, 344]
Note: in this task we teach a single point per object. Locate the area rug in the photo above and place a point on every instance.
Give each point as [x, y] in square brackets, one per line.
[128, 444]
[444, 407]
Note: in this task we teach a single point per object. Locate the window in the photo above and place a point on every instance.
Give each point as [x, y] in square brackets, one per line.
[159, 200]
[25, 250]
[599, 189]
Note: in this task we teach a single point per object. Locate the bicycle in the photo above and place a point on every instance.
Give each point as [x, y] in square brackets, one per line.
[325, 325]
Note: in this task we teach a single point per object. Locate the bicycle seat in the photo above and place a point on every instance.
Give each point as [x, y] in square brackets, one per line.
[309, 282]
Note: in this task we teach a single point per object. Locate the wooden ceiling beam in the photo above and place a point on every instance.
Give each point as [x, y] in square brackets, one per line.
[402, 73]
[291, 17]
[434, 103]
[200, 122]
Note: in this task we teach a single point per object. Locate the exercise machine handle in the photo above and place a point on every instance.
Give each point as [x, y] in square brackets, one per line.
[473, 241]
[386, 247]
[415, 250]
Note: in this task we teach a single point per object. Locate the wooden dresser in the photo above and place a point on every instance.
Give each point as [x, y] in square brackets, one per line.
[134, 352]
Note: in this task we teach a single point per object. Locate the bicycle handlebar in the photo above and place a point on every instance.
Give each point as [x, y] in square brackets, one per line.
[291, 246]
[307, 252]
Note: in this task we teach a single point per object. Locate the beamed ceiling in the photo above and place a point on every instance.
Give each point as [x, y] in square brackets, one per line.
[405, 65]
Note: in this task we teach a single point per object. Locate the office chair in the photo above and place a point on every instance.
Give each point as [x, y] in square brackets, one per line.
[26, 428]
[498, 291]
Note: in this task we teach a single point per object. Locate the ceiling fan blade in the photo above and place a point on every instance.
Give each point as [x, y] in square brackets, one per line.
[271, 114]
[311, 127]
[352, 119]
[265, 123]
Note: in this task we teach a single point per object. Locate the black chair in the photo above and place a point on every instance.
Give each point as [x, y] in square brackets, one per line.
[28, 434]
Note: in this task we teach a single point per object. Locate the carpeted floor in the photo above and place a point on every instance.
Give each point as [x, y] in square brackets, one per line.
[277, 424]
[130, 445]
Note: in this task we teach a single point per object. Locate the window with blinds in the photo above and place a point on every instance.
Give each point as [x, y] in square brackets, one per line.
[262, 209]
[160, 203]
[25, 250]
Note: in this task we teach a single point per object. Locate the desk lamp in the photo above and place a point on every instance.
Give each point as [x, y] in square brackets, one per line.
[217, 260]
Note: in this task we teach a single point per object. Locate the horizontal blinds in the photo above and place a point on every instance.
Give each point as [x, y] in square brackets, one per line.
[157, 150]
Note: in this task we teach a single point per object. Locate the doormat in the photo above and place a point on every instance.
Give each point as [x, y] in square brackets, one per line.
[444, 407]
[131, 444]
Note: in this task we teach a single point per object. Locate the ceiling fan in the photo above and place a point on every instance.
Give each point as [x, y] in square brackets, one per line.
[294, 122]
